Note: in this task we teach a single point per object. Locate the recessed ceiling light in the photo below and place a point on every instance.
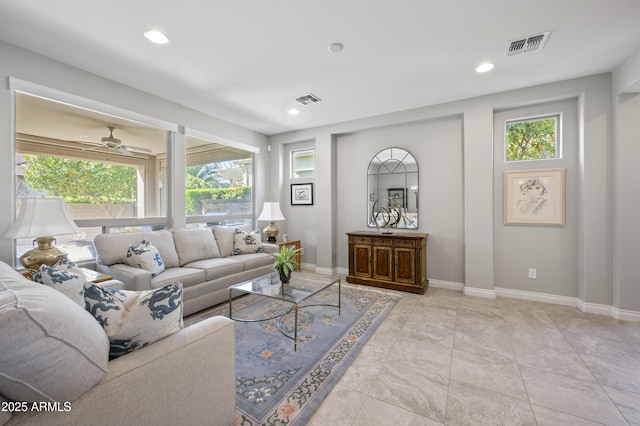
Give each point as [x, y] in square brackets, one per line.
[293, 111]
[484, 67]
[156, 37]
[336, 47]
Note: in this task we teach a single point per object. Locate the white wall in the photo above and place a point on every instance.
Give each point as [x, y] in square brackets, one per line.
[24, 65]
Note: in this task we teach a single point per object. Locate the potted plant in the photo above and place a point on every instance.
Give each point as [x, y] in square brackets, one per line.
[285, 262]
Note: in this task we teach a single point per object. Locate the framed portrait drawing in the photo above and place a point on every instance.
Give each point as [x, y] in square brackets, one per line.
[534, 197]
[302, 194]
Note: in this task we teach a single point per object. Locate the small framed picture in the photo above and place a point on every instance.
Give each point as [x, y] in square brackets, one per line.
[302, 194]
[534, 197]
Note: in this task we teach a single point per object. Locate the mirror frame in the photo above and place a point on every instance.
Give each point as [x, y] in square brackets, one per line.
[392, 188]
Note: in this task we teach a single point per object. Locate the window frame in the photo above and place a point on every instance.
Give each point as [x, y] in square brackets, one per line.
[558, 126]
[292, 162]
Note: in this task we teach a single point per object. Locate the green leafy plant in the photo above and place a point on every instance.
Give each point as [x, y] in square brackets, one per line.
[285, 262]
[531, 139]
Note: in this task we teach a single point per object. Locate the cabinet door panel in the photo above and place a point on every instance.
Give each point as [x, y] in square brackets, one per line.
[382, 265]
[362, 261]
[405, 270]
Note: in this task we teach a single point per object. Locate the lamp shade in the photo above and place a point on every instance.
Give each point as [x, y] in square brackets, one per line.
[271, 212]
[42, 217]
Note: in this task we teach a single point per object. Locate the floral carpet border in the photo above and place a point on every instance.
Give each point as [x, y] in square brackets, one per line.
[303, 400]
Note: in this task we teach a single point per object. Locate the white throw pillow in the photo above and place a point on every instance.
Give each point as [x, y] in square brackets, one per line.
[52, 350]
[66, 264]
[244, 242]
[145, 256]
[68, 283]
[135, 319]
[225, 237]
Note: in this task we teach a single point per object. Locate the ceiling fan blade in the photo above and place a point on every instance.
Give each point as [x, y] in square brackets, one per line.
[123, 150]
[137, 148]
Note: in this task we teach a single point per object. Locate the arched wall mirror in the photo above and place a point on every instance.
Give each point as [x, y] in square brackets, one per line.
[392, 184]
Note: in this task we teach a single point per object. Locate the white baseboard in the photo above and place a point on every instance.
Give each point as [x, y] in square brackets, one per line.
[537, 297]
[479, 292]
[592, 308]
[575, 302]
[342, 271]
[625, 315]
[449, 285]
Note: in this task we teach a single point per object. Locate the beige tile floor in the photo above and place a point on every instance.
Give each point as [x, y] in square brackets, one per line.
[446, 358]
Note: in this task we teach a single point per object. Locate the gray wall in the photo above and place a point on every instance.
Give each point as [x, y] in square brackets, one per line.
[551, 250]
[493, 258]
[437, 147]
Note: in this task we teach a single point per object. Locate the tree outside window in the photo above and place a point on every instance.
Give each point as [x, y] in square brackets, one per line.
[532, 139]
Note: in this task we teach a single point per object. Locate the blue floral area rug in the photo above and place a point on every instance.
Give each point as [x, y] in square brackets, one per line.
[276, 385]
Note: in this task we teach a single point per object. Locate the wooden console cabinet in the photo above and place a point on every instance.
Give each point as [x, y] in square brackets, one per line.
[395, 261]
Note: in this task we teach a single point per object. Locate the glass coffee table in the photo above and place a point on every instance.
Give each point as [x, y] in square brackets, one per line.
[298, 290]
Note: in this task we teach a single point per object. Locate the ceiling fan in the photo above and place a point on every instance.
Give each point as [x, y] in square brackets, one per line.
[111, 142]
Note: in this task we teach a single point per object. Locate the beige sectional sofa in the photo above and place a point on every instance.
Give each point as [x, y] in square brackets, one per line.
[55, 370]
[205, 260]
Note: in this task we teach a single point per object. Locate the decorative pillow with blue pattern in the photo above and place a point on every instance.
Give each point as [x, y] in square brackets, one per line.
[244, 242]
[135, 319]
[64, 276]
[145, 256]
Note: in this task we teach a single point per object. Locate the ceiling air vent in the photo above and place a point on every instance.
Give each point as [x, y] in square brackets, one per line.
[307, 99]
[527, 44]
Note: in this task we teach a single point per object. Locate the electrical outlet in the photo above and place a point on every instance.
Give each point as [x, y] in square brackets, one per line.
[532, 273]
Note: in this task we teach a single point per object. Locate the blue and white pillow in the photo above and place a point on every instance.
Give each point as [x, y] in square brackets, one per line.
[145, 256]
[135, 319]
[71, 284]
[244, 242]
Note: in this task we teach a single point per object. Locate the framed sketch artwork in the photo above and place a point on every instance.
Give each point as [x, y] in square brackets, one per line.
[301, 194]
[534, 197]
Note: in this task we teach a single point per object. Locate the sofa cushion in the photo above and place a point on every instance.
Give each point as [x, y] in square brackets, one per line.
[255, 260]
[52, 349]
[225, 237]
[66, 282]
[247, 242]
[135, 319]
[218, 268]
[112, 248]
[187, 276]
[195, 244]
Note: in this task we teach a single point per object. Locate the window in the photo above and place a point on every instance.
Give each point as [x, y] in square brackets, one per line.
[218, 183]
[303, 163]
[108, 177]
[532, 139]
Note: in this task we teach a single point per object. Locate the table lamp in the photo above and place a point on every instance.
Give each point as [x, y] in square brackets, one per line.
[271, 212]
[42, 218]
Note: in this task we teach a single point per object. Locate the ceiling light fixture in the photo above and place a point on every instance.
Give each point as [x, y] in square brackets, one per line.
[156, 37]
[484, 67]
[336, 47]
[293, 111]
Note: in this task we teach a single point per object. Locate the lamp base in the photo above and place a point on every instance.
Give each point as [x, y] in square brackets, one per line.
[271, 232]
[44, 254]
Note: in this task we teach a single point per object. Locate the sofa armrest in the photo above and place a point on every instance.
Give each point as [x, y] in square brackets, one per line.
[270, 248]
[186, 378]
[133, 278]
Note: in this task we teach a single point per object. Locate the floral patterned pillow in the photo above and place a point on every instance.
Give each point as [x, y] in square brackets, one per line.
[135, 319]
[145, 256]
